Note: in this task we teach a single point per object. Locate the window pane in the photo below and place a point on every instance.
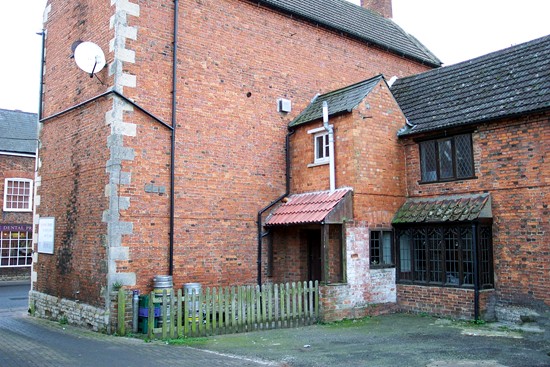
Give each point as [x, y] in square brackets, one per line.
[467, 256]
[327, 154]
[485, 258]
[405, 261]
[386, 248]
[445, 159]
[375, 247]
[319, 147]
[428, 161]
[419, 253]
[435, 254]
[464, 159]
[452, 247]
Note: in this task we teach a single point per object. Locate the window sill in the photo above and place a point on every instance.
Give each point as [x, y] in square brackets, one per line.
[316, 164]
[382, 266]
[449, 180]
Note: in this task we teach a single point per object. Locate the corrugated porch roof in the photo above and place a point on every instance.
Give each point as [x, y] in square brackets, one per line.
[312, 207]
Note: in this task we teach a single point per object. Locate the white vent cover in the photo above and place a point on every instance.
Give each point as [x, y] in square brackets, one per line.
[284, 105]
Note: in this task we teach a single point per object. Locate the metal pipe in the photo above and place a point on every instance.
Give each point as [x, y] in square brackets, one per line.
[328, 128]
[135, 311]
[41, 91]
[267, 207]
[173, 138]
[476, 275]
[105, 94]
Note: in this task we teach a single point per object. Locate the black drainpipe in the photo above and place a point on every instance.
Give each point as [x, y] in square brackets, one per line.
[263, 210]
[173, 139]
[43, 34]
[476, 275]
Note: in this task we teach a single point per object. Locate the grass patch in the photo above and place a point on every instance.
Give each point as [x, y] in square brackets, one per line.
[187, 341]
[346, 323]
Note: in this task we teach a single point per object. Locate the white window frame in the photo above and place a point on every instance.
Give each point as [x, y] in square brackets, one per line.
[325, 159]
[18, 180]
[15, 248]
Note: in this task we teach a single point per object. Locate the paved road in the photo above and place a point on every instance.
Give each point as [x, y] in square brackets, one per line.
[14, 296]
[392, 340]
[28, 341]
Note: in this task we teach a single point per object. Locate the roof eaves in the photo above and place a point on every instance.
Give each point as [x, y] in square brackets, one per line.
[417, 129]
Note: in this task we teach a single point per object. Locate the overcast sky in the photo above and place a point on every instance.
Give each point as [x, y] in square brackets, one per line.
[454, 30]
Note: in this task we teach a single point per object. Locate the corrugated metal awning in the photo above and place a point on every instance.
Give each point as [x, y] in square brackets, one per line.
[314, 207]
[456, 208]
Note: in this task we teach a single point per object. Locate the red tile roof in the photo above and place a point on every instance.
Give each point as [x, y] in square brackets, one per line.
[306, 208]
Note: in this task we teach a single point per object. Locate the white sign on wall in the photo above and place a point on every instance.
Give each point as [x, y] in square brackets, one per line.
[46, 233]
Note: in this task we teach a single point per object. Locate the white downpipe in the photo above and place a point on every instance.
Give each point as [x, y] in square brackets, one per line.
[328, 128]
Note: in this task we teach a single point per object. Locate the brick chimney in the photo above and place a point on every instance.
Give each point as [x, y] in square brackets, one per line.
[382, 7]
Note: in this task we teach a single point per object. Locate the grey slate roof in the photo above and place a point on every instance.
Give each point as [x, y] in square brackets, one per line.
[457, 208]
[506, 83]
[357, 22]
[18, 132]
[341, 100]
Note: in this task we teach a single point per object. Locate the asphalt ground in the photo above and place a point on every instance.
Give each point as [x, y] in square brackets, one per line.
[391, 340]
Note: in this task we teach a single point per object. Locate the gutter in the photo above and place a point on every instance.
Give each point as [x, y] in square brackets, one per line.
[262, 234]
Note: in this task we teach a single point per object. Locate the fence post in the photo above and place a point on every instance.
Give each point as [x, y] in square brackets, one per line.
[164, 313]
[185, 312]
[121, 327]
[172, 323]
[317, 300]
[300, 293]
[151, 317]
[180, 312]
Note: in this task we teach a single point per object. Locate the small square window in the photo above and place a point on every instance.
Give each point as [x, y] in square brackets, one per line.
[446, 159]
[321, 147]
[18, 195]
[381, 253]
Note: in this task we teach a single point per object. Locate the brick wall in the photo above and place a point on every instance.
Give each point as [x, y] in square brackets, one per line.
[229, 133]
[72, 189]
[105, 166]
[382, 7]
[444, 301]
[511, 163]
[15, 167]
[370, 159]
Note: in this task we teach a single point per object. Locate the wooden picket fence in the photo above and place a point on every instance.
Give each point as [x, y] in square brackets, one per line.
[226, 310]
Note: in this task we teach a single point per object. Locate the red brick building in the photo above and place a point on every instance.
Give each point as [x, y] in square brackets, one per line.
[17, 161]
[176, 163]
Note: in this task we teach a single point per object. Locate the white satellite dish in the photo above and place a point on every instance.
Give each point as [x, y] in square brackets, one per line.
[89, 57]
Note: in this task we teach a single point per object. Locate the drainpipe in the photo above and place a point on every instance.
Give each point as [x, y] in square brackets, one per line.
[173, 138]
[261, 234]
[330, 131]
[476, 275]
[41, 91]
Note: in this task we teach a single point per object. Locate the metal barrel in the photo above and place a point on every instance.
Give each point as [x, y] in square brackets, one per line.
[162, 282]
[188, 288]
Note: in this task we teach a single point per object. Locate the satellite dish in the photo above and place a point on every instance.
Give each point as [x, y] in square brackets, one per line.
[89, 57]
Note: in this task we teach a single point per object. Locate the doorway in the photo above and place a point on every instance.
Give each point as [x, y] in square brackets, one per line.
[313, 240]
